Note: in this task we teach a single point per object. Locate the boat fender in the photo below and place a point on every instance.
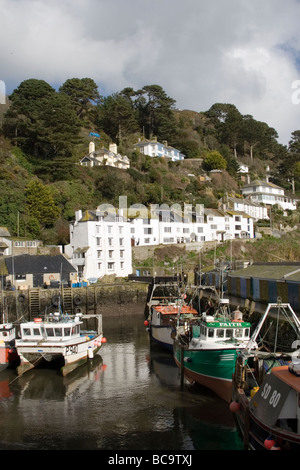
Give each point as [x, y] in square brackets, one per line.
[77, 300]
[21, 298]
[55, 300]
[187, 359]
[90, 353]
[269, 443]
[234, 407]
[103, 340]
[146, 323]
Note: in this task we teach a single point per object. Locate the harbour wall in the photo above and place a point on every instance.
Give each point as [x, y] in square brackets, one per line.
[265, 290]
[106, 299]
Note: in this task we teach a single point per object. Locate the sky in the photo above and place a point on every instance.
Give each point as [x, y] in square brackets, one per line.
[201, 52]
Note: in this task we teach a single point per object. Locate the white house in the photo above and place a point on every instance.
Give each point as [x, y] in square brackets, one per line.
[101, 241]
[109, 157]
[168, 227]
[100, 244]
[253, 209]
[268, 193]
[152, 148]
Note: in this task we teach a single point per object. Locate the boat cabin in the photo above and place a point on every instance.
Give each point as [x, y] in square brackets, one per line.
[50, 330]
[212, 329]
[7, 332]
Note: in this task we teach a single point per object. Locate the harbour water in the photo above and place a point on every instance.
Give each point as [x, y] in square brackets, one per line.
[127, 398]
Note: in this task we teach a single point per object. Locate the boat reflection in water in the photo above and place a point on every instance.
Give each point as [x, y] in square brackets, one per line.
[127, 398]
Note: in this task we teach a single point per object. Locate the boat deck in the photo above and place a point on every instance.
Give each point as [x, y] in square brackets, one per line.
[283, 374]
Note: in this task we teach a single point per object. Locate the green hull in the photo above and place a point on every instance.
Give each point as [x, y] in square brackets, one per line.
[211, 368]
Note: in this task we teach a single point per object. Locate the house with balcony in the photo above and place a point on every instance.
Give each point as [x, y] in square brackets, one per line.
[264, 192]
[153, 148]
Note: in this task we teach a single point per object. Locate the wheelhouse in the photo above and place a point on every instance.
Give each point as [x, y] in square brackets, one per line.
[222, 330]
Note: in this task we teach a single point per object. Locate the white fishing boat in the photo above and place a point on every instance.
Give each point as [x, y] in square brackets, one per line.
[58, 338]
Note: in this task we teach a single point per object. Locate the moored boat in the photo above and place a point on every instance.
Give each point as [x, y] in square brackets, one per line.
[266, 390]
[57, 338]
[8, 353]
[165, 305]
[206, 350]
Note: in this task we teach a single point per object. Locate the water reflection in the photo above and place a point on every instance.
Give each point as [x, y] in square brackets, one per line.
[128, 397]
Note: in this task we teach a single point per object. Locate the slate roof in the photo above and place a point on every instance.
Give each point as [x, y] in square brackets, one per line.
[40, 264]
[271, 271]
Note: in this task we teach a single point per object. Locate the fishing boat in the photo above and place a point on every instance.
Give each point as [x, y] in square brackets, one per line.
[8, 353]
[206, 350]
[165, 305]
[266, 388]
[58, 339]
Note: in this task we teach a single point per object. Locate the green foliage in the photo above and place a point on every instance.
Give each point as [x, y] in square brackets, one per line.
[45, 132]
[214, 161]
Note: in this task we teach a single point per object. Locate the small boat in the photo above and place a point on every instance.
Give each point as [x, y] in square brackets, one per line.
[8, 353]
[165, 305]
[206, 350]
[266, 389]
[57, 338]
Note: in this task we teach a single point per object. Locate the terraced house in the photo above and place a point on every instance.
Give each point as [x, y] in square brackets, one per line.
[101, 242]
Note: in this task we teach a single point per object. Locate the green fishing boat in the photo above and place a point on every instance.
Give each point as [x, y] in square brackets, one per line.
[206, 349]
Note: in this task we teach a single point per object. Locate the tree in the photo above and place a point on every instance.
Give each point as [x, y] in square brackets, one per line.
[254, 132]
[83, 93]
[40, 204]
[214, 161]
[41, 121]
[228, 123]
[117, 117]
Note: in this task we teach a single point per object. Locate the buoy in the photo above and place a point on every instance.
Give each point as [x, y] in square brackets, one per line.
[234, 406]
[269, 443]
[146, 323]
[103, 340]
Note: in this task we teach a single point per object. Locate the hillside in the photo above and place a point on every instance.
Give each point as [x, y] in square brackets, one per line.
[45, 132]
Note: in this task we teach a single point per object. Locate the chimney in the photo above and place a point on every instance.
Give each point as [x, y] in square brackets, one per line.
[113, 148]
[91, 147]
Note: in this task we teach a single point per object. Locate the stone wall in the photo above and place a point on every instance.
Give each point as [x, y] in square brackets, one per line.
[106, 299]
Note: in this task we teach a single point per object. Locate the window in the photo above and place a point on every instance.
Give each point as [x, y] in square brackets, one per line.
[200, 229]
[19, 243]
[122, 264]
[229, 333]
[110, 241]
[110, 266]
[50, 331]
[238, 227]
[58, 331]
[167, 229]
[148, 231]
[211, 332]
[111, 254]
[214, 227]
[99, 253]
[99, 241]
[220, 333]
[121, 241]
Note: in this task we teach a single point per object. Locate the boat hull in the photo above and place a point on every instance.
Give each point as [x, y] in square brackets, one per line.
[161, 335]
[67, 357]
[211, 368]
[8, 356]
